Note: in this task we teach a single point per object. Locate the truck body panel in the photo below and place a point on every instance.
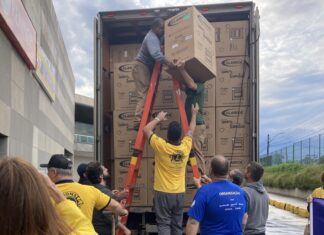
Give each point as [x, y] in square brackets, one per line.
[122, 29]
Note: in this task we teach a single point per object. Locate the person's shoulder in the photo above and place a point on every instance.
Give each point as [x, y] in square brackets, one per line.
[205, 189]
[246, 189]
[155, 137]
[230, 186]
[200, 87]
[200, 84]
[99, 186]
[104, 189]
[86, 187]
[151, 35]
[187, 137]
[211, 187]
[317, 190]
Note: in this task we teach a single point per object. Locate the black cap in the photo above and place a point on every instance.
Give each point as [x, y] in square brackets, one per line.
[58, 161]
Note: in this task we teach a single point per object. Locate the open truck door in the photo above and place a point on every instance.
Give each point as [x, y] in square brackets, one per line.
[97, 75]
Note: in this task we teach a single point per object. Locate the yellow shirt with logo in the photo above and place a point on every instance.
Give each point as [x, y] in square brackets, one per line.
[318, 193]
[85, 197]
[170, 164]
[73, 217]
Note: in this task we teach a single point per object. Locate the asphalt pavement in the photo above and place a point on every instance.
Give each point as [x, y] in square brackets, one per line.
[281, 222]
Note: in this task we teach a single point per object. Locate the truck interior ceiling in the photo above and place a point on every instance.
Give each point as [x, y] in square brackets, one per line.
[120, 30]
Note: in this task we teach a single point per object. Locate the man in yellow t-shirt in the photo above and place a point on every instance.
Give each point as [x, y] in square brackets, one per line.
[85, 197]
[319, 192]
[171, 158]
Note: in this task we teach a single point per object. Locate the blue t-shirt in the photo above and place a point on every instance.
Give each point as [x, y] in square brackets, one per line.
[219, 207]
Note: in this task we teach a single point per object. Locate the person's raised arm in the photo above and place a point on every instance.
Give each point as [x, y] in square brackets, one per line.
[148, 129]
[192, 226]
[190, 83]
[192, 125]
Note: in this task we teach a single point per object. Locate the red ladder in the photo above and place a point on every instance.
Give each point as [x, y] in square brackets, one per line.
[140, 138]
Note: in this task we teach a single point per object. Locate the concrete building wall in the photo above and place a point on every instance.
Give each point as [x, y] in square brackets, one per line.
[83, 141]
[31, 125]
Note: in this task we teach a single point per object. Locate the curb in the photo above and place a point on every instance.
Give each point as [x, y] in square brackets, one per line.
[289, 207]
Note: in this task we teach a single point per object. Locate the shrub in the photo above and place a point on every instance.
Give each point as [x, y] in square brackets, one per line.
[293, 175]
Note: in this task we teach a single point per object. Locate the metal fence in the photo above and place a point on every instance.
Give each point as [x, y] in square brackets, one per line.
[83, 139]
[307, 151]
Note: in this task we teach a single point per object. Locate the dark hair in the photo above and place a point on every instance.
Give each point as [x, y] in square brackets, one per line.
[236, 177]
[82, 169]
[322, 178]
[174, 132]
[256, 170]
[157, 22]
[219, 166]
[93, 172]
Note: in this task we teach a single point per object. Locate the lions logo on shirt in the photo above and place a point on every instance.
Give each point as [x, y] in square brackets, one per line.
[176, 158]
[74, 198]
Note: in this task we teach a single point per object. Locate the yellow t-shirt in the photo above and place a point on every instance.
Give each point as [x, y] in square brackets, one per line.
[85, 197]
[318, 193]
[170, 164]
[73, 217]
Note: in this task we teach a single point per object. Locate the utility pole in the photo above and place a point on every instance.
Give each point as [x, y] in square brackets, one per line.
[268, 145]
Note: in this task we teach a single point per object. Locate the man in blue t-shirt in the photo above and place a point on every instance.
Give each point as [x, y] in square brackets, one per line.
[218, 207]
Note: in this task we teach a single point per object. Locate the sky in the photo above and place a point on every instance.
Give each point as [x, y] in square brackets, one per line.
[291, 59]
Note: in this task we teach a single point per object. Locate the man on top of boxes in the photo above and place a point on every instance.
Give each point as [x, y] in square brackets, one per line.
[149, 53]
[190, 42]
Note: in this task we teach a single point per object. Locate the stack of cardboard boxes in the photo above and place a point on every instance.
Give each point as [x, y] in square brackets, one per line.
[123, 134]
[232, 102]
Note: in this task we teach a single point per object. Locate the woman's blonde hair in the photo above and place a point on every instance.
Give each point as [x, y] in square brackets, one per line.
[25, 204]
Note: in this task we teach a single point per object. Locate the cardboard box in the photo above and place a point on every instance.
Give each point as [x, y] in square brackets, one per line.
[210, 95]
[232, 81]
[124, 133]
[190, 37]
[209, 118]
[165, 97]
[123, 53]
[236, 162]
[173, 115]
[232, 130]
[120, 171]
[124, 86]
[231, 38]
[125, 96]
